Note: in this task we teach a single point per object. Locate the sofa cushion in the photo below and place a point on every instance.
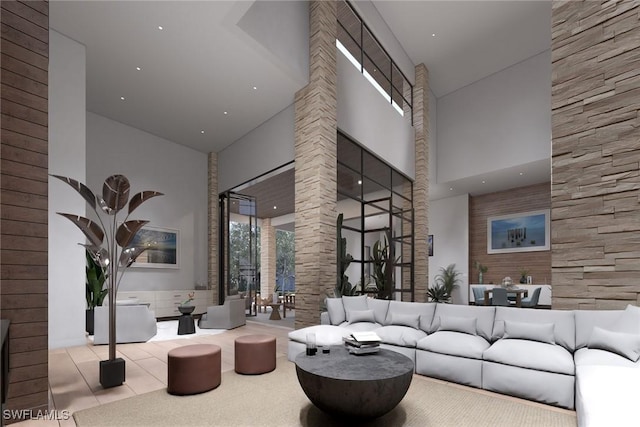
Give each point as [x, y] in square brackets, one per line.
[542, 332]
[335, 308]
[483, 314]
[531, 355]
[379, 307]
[590, 356]
[355, 316]
[410, 320]
[454, 344]
[424, 309]
[465, 325]
[325, 334]
[626, 345]
[563, 323]
[629, 321]
[402, 336]
[355, 303]
[587, 319]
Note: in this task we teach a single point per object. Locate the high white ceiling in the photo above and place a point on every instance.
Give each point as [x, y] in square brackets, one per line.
[202, 63]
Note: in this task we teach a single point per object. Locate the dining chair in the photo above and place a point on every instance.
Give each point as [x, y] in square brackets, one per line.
[500, 297]
[478, 295]
[532, 301]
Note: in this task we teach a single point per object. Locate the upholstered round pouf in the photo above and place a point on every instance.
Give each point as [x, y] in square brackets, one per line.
[255, 354]
[193, 368]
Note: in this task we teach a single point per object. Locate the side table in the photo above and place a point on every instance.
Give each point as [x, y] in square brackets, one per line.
[275, 311]
[186, 324]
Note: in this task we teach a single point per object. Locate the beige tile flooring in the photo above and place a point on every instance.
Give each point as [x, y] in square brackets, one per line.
[74, 371]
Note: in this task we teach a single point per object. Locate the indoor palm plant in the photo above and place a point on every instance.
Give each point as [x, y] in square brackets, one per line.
[109, 247]
[381, 260]
[95, 292]
[445, 282]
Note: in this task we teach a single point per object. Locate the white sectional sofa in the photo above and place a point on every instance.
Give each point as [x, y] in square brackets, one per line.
[588, 360]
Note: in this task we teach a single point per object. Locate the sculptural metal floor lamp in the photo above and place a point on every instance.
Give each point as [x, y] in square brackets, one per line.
[109, 247]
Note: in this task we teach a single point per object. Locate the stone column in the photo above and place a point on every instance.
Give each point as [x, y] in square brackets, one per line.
[595, 155]
[213, 227]
[421, 183]
[315, 173]
[267, 258]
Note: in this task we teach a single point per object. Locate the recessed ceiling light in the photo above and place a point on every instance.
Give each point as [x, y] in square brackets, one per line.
[483, 181]
[226, 112]
[275, 207]
[202, 131]
[255, 88]
[359, 182]
[433, 35]
[122, 98]
[160, 27]
[450, 188]
[521, 173]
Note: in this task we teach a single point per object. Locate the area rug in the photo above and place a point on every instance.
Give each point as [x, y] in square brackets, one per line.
[276, 399]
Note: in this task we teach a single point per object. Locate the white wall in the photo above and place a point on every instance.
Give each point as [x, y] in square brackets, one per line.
[498, 122]
[449, 224]
[153, 163]
[265, 148]
[365, 116]
[67, 127]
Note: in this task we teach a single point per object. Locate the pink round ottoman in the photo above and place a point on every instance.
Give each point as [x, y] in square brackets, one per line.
[193, 369]
[255, 354]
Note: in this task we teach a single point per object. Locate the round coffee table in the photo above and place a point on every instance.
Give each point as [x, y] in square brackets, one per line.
[346, 385]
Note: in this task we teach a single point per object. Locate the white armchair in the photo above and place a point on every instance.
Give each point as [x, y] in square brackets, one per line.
[134, 323]
[227, 316]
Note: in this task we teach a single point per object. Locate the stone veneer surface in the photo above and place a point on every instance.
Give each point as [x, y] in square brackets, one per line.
[213, 226]
[595, 154]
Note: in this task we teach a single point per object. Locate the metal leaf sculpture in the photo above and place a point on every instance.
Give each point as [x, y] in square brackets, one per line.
[127, 231]
[140, 198]
[90, 229]
[109, 242]
[115, 193]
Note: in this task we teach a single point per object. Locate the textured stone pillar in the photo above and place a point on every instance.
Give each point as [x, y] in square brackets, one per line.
[595, 155]
[267, 258]
[213, 226]
[315, 172]
[421, 183]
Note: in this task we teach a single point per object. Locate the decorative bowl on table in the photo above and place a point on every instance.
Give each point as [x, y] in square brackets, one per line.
[186, 309]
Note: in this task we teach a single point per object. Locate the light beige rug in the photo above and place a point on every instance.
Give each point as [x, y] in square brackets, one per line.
[276, 399]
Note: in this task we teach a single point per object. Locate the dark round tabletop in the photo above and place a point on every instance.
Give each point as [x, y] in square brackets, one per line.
[359, 386]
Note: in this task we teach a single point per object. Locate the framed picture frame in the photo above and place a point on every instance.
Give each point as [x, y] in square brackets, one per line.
[520, 232]
[165, 251]
[430, 244]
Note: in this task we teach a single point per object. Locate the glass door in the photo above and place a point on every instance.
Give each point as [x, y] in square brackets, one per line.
[239, 234]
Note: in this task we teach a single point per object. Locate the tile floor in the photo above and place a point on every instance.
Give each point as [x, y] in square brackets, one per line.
[74, 371]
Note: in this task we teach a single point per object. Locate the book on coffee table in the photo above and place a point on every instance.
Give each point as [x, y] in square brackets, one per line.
[350, 342]
[366, 337]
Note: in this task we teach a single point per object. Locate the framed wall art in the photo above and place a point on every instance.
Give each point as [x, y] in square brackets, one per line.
[520, 232]
[164, 251]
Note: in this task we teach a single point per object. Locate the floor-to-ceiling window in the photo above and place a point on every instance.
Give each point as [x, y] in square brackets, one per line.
[377, 207]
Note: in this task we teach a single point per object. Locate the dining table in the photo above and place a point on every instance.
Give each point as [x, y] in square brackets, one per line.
[519, 293]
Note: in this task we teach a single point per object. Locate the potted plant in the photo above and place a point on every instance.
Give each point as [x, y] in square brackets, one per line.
[481, 270]
[94, 290]
[445, 283]
[523, 275]
[380, 258]
[185, 307]
[109, 241]
[343, 286]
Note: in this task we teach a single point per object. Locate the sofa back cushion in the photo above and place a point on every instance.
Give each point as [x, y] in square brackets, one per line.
[629, 321]
[542, 332]
[466, 325]
[564, 329]
[424, 311]
[335, 308]
[484, 316]
[626, 345]
[586, 320]
[356, 316]
[379, 307]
